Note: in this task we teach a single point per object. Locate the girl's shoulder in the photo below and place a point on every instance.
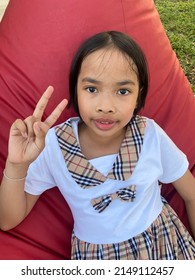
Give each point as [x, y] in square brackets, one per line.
[145, 125]
[154, 133]
[69, 123]
[151, 126]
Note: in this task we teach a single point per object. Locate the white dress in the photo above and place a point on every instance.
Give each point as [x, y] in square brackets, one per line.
[118, 203]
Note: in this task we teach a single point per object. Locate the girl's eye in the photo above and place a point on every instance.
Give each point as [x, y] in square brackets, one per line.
[91, 89]
[123, 91]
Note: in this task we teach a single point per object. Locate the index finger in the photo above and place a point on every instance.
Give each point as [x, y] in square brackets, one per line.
[42, 103]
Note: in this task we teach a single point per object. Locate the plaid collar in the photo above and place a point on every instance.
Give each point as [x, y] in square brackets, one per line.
[83, 172]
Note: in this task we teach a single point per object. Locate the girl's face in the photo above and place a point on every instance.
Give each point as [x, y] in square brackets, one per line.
[107, 91]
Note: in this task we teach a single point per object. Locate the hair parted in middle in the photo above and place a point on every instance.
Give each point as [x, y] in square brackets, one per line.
[110, 40]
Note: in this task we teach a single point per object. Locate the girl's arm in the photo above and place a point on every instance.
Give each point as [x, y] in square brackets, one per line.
[186, 188]
[15, 204]
[26, 142]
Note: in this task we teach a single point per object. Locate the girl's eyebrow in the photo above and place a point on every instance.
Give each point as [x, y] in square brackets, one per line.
[125, 82]
[90, 80]
[94, 81]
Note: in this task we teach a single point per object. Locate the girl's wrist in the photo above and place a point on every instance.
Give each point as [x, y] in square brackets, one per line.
[13, 179]
[14, 171]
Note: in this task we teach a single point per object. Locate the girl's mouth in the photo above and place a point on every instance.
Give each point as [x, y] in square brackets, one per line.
[104, 124]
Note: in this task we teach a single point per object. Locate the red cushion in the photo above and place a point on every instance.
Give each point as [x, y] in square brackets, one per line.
[37, 42]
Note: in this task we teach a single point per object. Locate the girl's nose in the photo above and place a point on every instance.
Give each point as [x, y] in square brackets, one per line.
[106, 104]
[105, 108]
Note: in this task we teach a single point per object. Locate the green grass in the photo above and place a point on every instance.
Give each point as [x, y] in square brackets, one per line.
[178, 18]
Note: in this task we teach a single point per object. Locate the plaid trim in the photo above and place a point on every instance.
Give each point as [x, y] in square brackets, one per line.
[83, 171]
[165, 239]
[130, 150]
[80, 168]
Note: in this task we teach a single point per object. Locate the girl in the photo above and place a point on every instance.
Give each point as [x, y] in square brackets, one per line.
[108, 162]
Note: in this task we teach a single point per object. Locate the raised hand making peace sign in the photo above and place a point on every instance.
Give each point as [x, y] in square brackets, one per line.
[27, 137]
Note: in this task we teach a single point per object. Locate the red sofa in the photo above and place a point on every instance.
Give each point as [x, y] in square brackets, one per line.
[37, 42]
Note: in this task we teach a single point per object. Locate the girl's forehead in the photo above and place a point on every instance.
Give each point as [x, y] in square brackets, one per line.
[106, 55]
[108, 59]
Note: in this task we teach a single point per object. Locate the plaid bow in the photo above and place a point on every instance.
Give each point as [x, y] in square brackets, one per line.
[125, 194]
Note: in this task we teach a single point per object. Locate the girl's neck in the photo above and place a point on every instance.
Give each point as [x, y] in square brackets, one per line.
[94, 146]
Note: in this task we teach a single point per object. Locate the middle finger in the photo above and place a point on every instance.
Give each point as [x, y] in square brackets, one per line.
[42, 103]
[51, 119]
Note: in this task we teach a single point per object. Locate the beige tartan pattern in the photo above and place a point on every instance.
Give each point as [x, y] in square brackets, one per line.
[83, 171]
[165, 239]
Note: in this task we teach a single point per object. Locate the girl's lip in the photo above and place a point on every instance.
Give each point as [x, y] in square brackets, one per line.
[104, 124]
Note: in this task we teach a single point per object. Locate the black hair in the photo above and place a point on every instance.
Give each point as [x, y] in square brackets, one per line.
[117, 40]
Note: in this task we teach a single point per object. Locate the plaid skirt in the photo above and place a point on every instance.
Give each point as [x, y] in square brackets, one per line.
[166, 239]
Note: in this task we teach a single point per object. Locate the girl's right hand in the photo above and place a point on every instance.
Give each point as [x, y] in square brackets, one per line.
[27, 137]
